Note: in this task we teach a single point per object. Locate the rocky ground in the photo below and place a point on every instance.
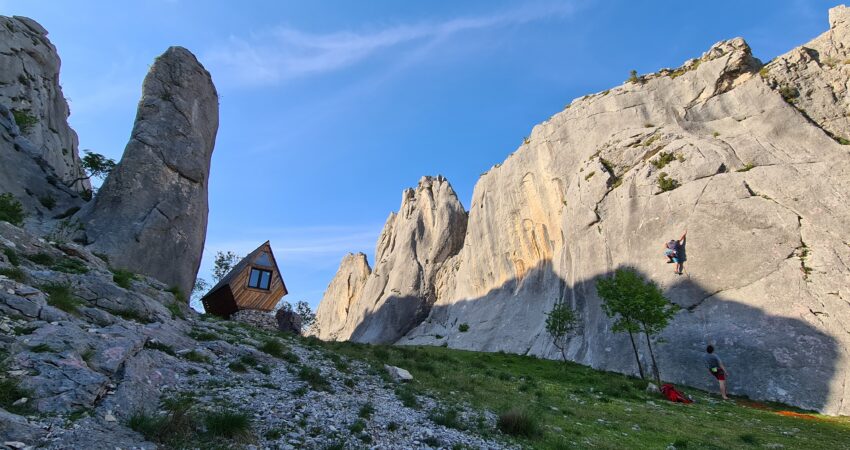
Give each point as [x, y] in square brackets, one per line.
[94, 358]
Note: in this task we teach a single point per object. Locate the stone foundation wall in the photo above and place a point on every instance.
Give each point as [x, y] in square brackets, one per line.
[256, 318]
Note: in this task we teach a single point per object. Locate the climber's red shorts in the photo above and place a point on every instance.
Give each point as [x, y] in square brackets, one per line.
[719, 374]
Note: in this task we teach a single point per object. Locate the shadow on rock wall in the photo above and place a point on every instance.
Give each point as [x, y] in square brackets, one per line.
[769, 357]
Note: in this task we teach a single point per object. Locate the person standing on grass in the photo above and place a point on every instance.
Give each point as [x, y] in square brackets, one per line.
[716, 367]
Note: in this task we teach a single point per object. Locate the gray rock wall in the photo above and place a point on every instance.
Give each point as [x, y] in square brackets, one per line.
[344, 289]
[31, 180]
[414, 244]
[763, 181]
[29, 84]
[150, 215]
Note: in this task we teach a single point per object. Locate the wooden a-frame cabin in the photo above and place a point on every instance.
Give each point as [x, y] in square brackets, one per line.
[254, 283]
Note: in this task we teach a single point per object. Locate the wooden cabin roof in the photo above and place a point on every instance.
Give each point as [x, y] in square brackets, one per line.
[238, 295]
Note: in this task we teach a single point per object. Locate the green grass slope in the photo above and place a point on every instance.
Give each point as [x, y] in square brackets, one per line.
[552, 405]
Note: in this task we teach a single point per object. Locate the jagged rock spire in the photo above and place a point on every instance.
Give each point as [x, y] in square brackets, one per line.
[427, 230]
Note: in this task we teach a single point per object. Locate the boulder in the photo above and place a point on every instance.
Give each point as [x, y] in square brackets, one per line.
[720, 147]
[16, 429]
[150, 216]
[288, 321]
[397, 373]
[29, 85]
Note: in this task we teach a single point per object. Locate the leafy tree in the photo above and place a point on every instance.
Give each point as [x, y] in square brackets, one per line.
[223, 263]
[201, 285]
[308, 317]
[639, 306]
[561, 323]
[617, 293]
[95, 165]
[198, 290]
[302, 308]
[654, 315]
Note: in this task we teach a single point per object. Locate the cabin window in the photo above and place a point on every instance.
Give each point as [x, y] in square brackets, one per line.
[260, 279]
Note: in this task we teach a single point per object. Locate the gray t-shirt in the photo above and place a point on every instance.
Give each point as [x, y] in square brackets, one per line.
[711, 360]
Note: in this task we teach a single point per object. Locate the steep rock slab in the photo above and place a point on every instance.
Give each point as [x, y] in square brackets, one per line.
[150, 216]
[29, 85]
[814, 77]
[31, 179]
[762, 191]
[415, 242]
[345, 288]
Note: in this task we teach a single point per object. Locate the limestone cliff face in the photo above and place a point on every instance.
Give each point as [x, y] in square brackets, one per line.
[31, 180]
[345, 288]
[29, 85]
[150, 216]
[760, 181]
[414, 244]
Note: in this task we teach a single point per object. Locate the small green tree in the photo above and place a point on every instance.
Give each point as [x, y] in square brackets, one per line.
[654, 314]
[302, 308]
[95, 165]
[11, 209]
[198, 290]
[639, 306]
[561, 324]
[223, 263]
[616, 293]
[308, 317]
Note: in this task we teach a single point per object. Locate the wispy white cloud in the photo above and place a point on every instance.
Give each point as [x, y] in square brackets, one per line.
[283, 53]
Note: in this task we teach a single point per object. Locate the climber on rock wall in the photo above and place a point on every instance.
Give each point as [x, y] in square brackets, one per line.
[675, 252]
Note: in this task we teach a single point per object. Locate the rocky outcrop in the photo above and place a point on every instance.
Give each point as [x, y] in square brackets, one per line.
[717, 147]
[38, 150]
[814, 77]
[82, 354]
[150, 216]
[31, 179]
[29, 85]
[345, 288]
[414, 244]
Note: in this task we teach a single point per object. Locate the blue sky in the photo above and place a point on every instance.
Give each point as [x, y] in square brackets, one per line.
[329, 109]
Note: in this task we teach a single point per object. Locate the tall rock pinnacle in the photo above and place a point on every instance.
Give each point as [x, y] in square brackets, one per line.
[416, 241]
[150, 216]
